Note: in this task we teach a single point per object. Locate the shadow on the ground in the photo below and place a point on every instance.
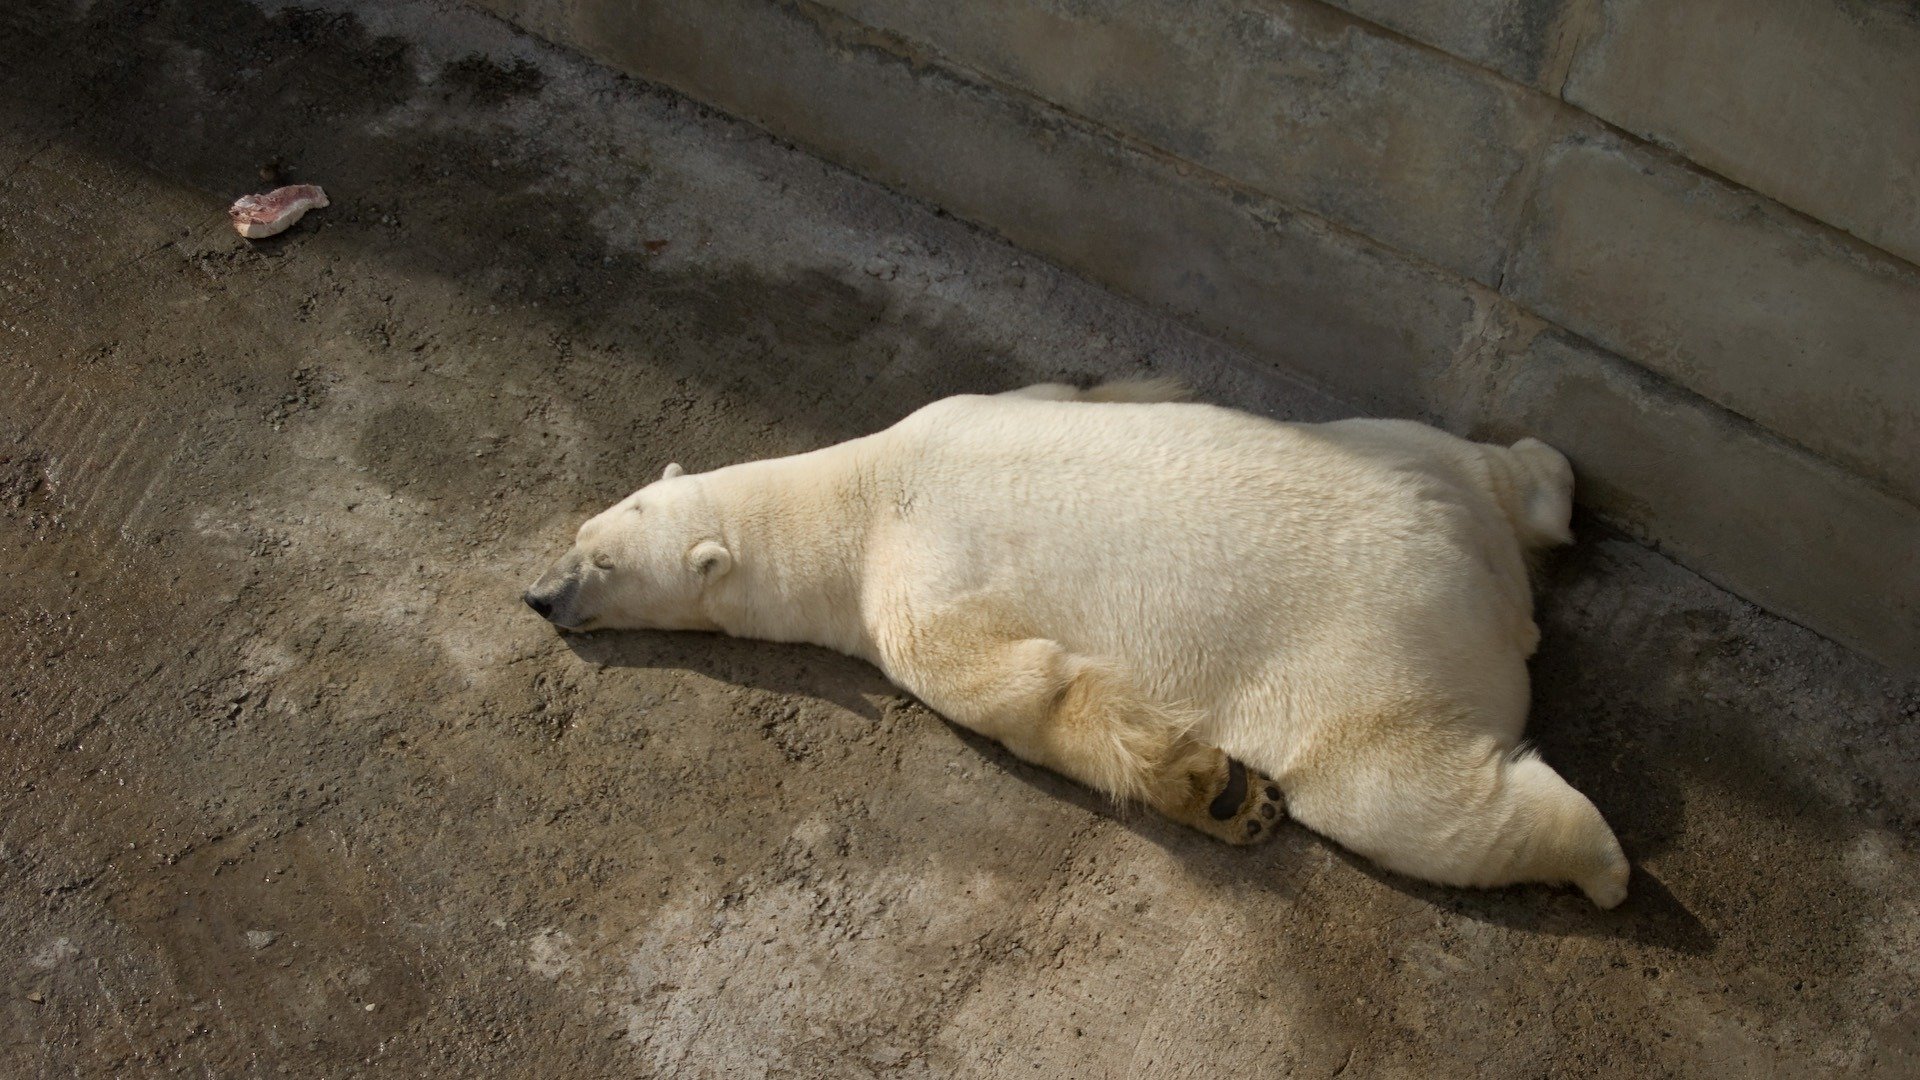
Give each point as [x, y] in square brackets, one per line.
[804, 670]
[1652, 915]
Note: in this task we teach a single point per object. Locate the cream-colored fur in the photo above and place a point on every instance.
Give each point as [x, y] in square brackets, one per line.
[1132, 590]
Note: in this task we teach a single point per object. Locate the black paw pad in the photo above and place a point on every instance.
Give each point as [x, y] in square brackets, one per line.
[1227, 803]
[1269, 812]
[1253, 828]
[1273, 793]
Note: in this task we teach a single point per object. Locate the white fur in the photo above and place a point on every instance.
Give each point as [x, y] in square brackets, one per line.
[1345, 607]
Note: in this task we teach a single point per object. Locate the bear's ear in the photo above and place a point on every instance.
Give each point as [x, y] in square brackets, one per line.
[710, 558]
[673, 470]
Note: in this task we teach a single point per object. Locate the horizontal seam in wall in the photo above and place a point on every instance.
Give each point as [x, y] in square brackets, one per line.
[1859, 245]
[920, 56]
[892, 47]
[1737, 422]
[1855, 246]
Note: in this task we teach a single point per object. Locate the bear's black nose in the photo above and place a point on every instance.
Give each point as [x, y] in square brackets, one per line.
[541, 605]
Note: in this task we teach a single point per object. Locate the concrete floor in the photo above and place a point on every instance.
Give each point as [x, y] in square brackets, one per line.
[292, 784]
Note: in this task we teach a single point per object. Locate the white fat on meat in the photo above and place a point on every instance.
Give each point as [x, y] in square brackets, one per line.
[255, 216]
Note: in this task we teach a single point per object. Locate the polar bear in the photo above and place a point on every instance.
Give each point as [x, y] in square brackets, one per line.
[1216, 614]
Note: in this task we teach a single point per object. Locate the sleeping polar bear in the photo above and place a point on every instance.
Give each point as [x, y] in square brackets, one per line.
[1144, 594]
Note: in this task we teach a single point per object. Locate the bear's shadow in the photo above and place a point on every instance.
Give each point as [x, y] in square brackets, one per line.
[1652, 914]
[803, 670]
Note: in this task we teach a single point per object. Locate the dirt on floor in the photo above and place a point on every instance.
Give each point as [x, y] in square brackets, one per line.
[290, 783]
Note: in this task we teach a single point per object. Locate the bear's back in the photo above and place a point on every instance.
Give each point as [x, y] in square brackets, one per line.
[1201, 543]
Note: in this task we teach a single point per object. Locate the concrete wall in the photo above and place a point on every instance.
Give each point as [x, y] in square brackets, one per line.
[1677, 238]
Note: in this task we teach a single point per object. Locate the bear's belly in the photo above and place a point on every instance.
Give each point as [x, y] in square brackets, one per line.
[1272, 610]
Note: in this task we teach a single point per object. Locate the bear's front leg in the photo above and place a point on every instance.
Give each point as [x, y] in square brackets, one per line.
[1081, 717]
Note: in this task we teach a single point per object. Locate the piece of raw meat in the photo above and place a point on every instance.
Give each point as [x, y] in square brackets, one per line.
[255, 216]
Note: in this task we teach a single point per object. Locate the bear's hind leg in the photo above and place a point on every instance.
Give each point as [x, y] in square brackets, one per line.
[1085, 719]
[1454, 809]
[1544, 481]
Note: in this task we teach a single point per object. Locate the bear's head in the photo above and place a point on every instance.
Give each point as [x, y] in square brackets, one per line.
[642, 564]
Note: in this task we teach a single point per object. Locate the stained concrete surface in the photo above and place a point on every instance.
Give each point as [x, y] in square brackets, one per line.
[293, 786]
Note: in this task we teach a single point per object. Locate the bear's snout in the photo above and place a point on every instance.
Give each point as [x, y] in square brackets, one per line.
[554, 598]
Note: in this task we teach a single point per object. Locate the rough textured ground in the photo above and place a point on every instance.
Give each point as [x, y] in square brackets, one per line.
[292, 785]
